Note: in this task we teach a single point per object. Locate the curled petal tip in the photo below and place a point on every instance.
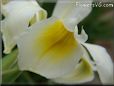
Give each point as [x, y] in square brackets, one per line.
[82, 37]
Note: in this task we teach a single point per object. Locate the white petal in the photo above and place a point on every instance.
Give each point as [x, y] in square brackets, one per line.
[72, 11]
[83, 73]
[82, 37]
[103, 62]
[48, 49]
[17, 17]
[86, 56]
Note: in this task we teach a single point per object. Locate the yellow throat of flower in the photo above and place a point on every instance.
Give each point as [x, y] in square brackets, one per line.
[56, 41]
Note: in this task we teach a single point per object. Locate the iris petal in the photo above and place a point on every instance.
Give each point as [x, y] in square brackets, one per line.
[83, 73]
[82, 37]
[48, 49]
[103, 61]
[72, 13]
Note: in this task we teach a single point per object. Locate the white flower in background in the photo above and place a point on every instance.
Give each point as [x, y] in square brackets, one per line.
[19, 14]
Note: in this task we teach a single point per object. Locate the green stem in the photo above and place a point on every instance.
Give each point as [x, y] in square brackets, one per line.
[9, 60]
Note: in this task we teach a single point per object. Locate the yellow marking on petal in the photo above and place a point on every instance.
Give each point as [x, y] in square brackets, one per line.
[33, 20]
[56, 42]
[37, 17]
[41, 15]
[82, 71]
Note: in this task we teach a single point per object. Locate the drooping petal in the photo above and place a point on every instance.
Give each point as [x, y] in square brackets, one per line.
[82, 37]
[83, 73]
[103, 61]
[18, 15]
[72, 11]
[48, 49]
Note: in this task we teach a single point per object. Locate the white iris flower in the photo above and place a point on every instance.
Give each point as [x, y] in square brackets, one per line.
[53, 48]
[50, 47]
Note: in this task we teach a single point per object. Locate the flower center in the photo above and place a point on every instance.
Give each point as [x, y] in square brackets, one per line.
[56, 40]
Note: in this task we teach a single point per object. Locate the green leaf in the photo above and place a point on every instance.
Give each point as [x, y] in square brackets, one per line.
[10, 70]
[10, 75]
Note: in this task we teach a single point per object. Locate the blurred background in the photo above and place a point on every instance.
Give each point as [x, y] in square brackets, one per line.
[99, 25]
